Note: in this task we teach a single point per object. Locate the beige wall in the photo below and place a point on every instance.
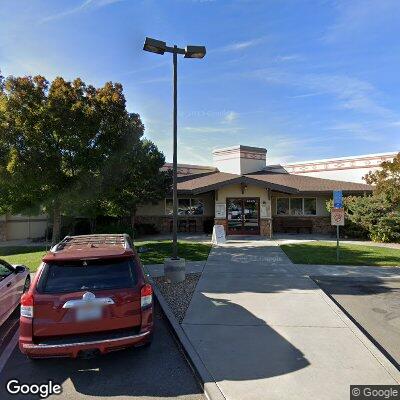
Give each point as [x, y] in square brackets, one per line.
[19, 227]
[159, 208]
[321, 200]
[236, 191]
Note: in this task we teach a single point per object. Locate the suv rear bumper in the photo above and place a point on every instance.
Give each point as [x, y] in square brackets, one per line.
[74, 349]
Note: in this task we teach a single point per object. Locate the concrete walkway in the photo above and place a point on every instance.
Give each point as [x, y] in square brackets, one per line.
[264, 330]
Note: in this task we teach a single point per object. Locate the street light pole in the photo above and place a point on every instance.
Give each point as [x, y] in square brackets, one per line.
[174, 266]
[175, 158]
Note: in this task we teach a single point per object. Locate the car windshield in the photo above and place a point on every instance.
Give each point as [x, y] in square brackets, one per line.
[90, 275]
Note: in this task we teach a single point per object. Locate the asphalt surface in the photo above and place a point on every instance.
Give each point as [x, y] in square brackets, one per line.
[373, 304]
[157, 372]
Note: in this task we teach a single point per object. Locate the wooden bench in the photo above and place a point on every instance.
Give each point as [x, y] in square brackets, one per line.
[297, 224]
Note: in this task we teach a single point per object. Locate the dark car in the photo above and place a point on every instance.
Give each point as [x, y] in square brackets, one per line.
[89, 296]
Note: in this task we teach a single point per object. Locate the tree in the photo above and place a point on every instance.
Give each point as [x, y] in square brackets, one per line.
[387, 181]
[139, 179]
[55, 139]
[376, 216]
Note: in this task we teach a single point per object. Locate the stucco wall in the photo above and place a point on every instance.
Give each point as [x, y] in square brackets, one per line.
[321, 200]
[236, 191]
[158, 209]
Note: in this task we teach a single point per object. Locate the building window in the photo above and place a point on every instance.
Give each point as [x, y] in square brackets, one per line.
[196, 207]
[282, 205]
[186, 206]
[310, 206]
[296, 206]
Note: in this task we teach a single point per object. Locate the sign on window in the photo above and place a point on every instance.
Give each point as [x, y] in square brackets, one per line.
[220, 211]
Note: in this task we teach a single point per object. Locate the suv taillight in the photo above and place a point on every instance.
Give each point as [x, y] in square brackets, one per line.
[146, 296]
[27, 305]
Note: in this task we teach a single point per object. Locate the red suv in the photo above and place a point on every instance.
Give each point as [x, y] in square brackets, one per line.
[89, 296]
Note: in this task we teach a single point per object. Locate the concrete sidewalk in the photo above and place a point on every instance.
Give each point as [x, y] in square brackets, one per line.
[264, 330]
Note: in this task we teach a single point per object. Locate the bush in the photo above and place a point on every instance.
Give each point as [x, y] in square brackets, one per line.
[387, 229]
[370, 217]
[121, 226]
[352, 227]
[114, 227]
[208, 225]
[145, 229]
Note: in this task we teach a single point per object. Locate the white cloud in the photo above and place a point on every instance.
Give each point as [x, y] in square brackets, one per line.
[361, 17]
[230, 117]
[238, 46]
[85, 5]
[350, 93]
[212, 129]
[369, 132]
[288, 57]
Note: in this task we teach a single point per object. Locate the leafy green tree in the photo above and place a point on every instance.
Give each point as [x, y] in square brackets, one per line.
[376, 216]
[139, 180]
[387, 181]
[55, 139]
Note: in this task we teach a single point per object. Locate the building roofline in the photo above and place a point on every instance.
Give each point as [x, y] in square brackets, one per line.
[240, 147]
[353, 158]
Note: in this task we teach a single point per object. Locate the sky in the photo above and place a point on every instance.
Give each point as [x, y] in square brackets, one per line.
[304, 79]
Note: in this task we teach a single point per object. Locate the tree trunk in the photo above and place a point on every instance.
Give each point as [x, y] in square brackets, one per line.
[56, 224]
[133, 217]
[92, 224]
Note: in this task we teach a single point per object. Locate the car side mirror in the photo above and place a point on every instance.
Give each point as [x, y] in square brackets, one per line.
[19, 268]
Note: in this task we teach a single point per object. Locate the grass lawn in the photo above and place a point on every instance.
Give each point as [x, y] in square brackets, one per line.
[30, 256]
[157, 251]
[350, 254]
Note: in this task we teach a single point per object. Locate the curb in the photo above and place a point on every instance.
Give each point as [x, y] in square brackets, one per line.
[209, 386]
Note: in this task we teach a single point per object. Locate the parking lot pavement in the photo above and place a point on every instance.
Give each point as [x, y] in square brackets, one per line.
[8, 329]
[374, 304]
[159, 371]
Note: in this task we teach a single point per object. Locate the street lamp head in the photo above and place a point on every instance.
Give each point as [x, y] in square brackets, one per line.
[154, 46]
[195, 51]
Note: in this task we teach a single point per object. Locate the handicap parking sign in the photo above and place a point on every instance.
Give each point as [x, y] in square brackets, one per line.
[337, 199]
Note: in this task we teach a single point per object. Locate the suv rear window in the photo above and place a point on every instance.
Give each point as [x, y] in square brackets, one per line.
[88, 275]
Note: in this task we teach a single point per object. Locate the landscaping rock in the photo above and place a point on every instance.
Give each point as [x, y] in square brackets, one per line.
[178, 295]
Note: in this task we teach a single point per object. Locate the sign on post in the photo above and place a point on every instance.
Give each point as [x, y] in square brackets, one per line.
[337, 216]
[337, 199]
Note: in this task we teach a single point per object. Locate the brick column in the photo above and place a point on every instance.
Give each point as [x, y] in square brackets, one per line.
[266, 227]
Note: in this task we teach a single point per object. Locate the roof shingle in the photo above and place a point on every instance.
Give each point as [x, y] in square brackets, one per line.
[288, 183]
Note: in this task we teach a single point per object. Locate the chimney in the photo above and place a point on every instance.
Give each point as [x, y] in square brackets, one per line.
[240, 159]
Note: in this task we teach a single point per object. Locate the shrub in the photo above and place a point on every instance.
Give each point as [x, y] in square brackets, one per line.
[121, 226]
[208, 225]
[371, 217]
[387, 229]
[114, 227]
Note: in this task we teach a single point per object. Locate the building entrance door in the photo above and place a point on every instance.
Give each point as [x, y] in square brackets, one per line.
[243, 215]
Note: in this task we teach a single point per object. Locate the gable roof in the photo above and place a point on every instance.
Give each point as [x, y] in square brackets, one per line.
[281, 182]
[304, 183]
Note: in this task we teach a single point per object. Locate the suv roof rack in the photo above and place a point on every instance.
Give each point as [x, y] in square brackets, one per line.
[122, 240]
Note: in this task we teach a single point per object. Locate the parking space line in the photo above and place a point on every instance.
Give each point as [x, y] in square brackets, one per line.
[8, 350]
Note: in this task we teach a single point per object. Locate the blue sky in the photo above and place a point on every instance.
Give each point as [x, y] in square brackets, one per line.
[305, 79]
